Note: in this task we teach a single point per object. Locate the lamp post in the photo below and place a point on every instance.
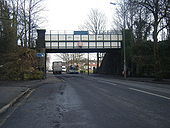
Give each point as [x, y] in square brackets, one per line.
[124, 44]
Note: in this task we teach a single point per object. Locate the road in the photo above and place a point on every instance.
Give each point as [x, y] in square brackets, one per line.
[81, 101]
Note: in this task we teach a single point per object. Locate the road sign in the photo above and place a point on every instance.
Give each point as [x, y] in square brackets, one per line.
[40, 54]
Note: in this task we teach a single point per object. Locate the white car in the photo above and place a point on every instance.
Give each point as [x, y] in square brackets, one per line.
[63, 68]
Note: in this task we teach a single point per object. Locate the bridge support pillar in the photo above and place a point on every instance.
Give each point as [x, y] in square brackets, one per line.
[41, 51]
[97, 61]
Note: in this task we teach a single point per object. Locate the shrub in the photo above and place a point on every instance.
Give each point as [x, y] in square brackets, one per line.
[20, 64]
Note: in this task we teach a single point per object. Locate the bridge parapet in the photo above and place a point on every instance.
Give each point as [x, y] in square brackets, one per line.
[84, 40]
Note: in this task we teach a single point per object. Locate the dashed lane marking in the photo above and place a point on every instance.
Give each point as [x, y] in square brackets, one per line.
[108, 82]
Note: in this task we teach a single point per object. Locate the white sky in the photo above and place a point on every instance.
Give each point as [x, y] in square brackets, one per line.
[70, 14]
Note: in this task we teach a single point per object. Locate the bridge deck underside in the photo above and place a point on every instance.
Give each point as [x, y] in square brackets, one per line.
[101, 50]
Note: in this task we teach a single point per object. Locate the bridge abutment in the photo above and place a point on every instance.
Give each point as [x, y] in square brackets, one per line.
[111, 63]
[41, 51]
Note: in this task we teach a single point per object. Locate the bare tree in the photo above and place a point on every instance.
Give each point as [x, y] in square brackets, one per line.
[158, 10]
[65, 57]
[137, 19]
[26, 15]
[71, 58]
[34, 8]
[95, 22]
[151, 16]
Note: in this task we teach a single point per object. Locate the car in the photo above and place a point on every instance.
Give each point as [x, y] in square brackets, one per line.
[73, 69]
[63, 68]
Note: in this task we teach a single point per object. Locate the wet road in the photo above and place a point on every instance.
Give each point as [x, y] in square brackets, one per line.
[77, 101]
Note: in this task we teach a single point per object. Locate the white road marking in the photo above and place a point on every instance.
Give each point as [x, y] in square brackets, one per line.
[108, 82]
[150, 93]
[138, 90]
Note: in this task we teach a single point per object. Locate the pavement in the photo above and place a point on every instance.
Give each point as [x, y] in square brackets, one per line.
[12, 91]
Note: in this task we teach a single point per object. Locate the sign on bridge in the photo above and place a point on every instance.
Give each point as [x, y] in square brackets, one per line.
[81, 32]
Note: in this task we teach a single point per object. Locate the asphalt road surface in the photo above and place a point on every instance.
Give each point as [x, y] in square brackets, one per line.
[81, 101]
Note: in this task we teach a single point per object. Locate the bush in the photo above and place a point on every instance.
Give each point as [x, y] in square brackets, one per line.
[20, 64]
[33, 75]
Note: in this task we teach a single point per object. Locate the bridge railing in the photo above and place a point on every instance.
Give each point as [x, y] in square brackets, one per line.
[72, 41]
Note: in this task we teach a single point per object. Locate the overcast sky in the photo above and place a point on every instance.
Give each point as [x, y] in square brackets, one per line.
[69, 14]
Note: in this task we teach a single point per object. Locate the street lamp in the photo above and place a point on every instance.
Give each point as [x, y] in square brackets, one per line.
[124, 44]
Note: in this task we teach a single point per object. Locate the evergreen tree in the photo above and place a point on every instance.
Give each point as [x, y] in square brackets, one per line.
[7, 42]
